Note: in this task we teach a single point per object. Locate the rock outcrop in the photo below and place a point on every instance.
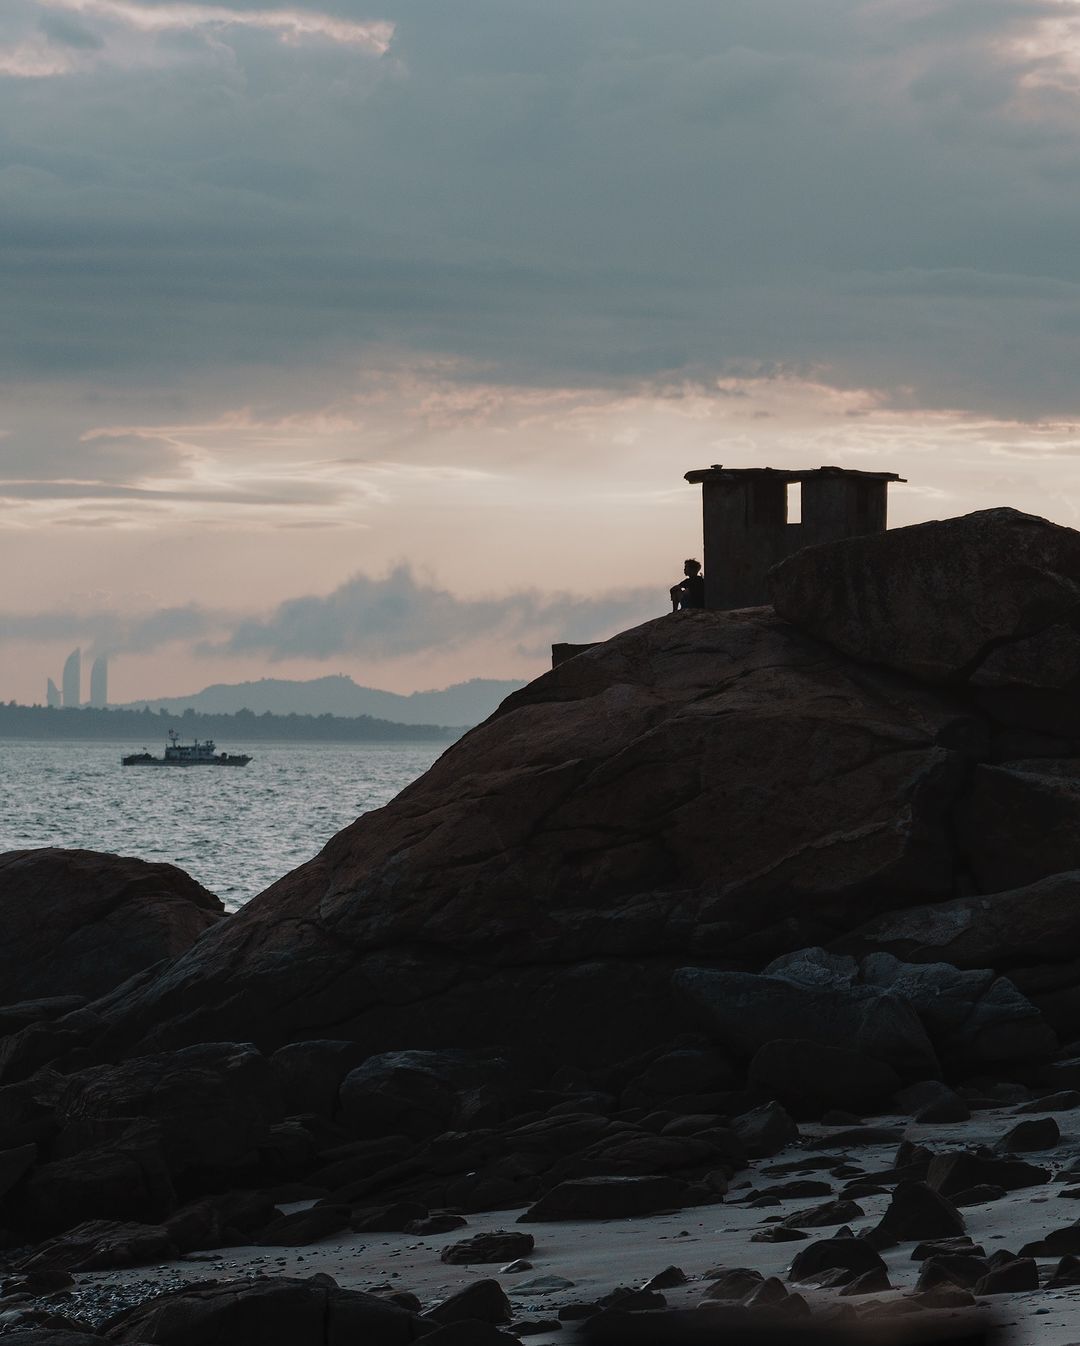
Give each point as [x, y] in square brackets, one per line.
[991, 598]
[77, 923]
[696, 884]
[707, 786]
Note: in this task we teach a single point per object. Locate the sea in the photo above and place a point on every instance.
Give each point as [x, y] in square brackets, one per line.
[235, 829]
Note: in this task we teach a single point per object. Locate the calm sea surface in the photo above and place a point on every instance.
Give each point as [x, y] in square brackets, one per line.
[235, 829]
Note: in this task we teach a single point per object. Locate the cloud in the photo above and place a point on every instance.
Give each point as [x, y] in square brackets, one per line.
[291, 22]
[399, 614]
[556, 192]
[377, 618]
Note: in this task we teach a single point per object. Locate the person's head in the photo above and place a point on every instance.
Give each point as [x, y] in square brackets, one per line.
[691, 567]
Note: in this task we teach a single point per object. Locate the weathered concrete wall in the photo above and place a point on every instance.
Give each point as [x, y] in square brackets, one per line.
[746, 528]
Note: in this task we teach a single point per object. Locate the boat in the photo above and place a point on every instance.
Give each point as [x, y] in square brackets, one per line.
[186, 754]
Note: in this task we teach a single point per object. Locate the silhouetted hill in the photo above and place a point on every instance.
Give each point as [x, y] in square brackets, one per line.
[234, 731]
[465, 703]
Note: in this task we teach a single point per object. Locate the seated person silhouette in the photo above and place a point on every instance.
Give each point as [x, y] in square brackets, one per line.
[690, 592]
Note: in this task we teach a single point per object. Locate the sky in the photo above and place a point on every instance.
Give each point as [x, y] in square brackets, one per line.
[376, 336]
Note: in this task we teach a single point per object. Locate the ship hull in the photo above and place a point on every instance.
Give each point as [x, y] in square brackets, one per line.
[157, 761]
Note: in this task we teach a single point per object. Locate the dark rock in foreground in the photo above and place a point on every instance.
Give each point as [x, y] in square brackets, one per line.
[268, 1312]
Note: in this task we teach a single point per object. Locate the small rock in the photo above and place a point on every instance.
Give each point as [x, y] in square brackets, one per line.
[778, 1234]
[962, 1244]
[1058, 1243]
[733, 1284]
[798, 1187]
[959, 1169]
[1067, 1272]
[483, 1301]
[498, 1246]
[916, 1211]
[765, 1130]
[869, 1283]
[958, 1269]
[855, 1255]
[945, 1297]
[1063, 1101]
[666, 1279]
[944, 1110]
[767, 1295]
[609, 1198]
[576, 1313]
[533, 1327]
[1013, 1277]
[302, 1227]
[518, 1264]
[392, 1219]
[438, 1222]
[632, 1300]
[831, 1213]
[979, 1196]
[1040, 1133]
[542, 1285]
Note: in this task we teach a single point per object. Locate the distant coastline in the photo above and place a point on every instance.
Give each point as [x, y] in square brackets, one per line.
[234, 730]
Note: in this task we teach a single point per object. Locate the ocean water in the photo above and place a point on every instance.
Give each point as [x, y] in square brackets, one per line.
[235, 829]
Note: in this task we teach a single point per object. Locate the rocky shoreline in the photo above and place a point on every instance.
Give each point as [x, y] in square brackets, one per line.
[766, 911]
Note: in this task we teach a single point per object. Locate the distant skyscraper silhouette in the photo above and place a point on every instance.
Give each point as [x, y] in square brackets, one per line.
[99, 682]
[52, 694]
[72, 680]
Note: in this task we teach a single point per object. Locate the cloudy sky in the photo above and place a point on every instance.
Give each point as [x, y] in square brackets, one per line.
[375, 336]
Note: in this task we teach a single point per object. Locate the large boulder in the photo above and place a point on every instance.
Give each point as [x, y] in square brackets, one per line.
[1020, 822]
[706, 785]
[939, 600]
[80, 923]
[1036, 923]
[211, 1105]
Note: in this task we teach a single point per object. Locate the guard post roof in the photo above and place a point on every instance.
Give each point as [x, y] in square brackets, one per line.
[717, 472]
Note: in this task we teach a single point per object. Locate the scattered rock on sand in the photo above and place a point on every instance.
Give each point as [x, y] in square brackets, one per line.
[958, 1170]
[1038, 1134]
[301, 1227]
[499, 1246]
[1009, 1278]
[1067, 1272]
[850, 1254]
[666, 1279]
[482, 1301]
[1058, 1243]
[614, 1198]
[916, 1212]
[765, 1130]
[964, 1269]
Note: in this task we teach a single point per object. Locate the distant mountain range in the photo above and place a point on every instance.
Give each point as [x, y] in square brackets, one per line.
[463, 704]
